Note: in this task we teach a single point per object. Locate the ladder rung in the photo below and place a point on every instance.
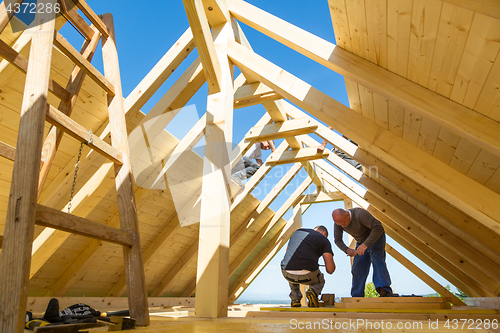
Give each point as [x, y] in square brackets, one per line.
[53, 218]
[7, 151]
[77, 131]
[21, 63]
[87, 11]
[83, 63]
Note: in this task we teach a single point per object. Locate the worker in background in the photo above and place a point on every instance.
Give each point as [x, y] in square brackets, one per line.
[370, 249]
[300, 265]
[246, 167]
[341, 154]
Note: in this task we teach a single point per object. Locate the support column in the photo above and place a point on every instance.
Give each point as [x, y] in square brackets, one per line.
[20, 221]
[134, 267]
[213, 256]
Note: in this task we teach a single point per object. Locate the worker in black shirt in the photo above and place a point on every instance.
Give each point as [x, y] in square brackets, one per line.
[300, 265]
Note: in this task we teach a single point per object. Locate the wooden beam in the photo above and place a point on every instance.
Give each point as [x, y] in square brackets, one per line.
[455, 187]
[423, 276]
[69, 126]
[280, 130]
[296, 155]
[252, 94]
[20, 218]
[7, 151]
[21, 63]
[486, 7]
[323, 197]
[134, 268]
[204, 43]
[1, 241]
[216, 12]
[453, 116]
[378, 167]
[53, 218]
[83, 63]
[213, 255]
[54, 137]
[71, 13]
[96, 20]
[160, 73]
[19, 46]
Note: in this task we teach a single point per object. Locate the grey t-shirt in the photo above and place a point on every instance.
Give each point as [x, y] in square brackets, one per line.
[363, 227]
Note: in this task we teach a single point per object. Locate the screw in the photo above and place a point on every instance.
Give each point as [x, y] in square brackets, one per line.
[210, 8]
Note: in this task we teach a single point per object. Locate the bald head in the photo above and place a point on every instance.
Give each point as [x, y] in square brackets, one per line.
[341, 217]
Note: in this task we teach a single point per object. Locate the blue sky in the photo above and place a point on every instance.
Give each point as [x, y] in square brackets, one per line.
[145, 33]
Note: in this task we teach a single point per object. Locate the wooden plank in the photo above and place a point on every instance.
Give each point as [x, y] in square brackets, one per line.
[486, 7]
[296, 155]
[7, 151]
[160, 73]
[83, 63]
[323, 197]
[280, 130]
[20, 218]
[69, 126]
[21, 63]
[356, 14]
[456, 188]
[399, 14]
[392, 306]
[134, 268]
[39, 304]
[424, 277]
[488, 102]
[427, 137]
[53, 218]
[424, 28]
[96, 20]
[458, 118]
[453, 31]
[340, 24]
[477, 60]
[213, 255]
[376, 25]
[395, 300]
[204, 43]
[174, 271]
[54, 137]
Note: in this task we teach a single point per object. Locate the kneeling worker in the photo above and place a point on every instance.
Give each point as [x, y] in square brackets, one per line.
[300, 265]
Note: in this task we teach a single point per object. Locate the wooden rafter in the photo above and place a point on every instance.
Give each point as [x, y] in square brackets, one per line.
[204, 43]
[453, 186]
[5, 15]
[7, 151]
[252, 94]
[323, 197]
[72, 15]
[457, 118]
[423, 276]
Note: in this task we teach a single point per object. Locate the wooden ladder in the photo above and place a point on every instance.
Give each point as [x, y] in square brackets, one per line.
[29, 173]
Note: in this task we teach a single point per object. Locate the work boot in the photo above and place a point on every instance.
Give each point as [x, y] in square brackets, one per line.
[312, 298]
[384, 293]
[296, 303]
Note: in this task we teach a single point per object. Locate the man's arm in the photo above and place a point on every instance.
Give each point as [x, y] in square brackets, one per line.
[337, 235]
[259, 161]
[271, 144]
[329, 263]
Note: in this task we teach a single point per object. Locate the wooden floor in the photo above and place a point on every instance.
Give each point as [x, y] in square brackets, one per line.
[263, 318]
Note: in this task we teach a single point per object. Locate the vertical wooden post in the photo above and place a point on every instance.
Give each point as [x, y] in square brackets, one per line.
[213, 256]
[134, 266]
[20, 220]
